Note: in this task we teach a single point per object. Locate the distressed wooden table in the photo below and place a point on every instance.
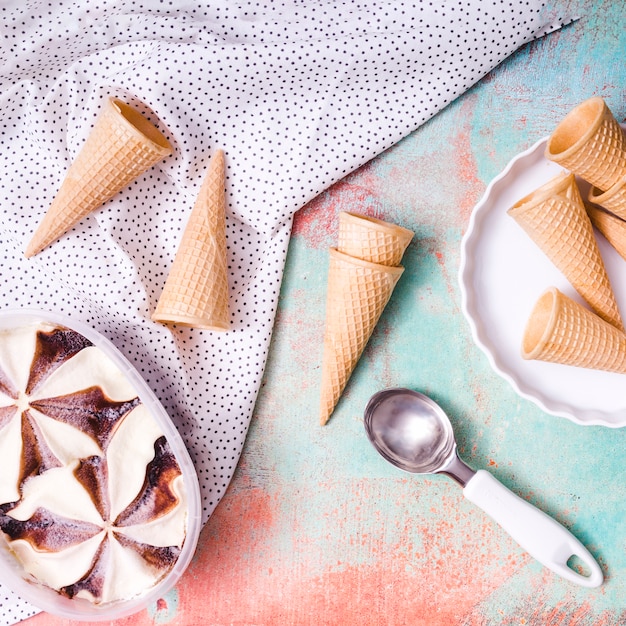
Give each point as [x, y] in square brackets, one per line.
[315, 527]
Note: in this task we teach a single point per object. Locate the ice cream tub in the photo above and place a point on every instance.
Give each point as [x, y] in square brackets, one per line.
[100, 508]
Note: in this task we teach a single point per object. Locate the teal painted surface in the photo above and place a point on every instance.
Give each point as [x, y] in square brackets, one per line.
[164, 610]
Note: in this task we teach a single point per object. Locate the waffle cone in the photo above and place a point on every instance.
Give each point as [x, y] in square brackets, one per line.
[554, 216]
[613, 199]
[590, 143]
[196, 291]
[559, 330]
[612, 227]
[372, 239]
[121, 146]
[358, 292]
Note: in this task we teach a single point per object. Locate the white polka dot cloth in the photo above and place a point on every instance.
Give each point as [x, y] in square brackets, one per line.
[296, 93]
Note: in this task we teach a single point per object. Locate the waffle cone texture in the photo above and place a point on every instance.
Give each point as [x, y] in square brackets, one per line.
[612, 228]
[358, 292]
[371, 239]
[122, 145]
[555, 218]
[196, 291]
[613, 199]
[559, 330]
[591, 144]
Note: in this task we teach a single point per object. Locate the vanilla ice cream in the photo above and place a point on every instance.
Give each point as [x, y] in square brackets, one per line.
[92, 499]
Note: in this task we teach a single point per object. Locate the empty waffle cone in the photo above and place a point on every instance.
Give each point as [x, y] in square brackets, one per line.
[612, 227]
[554, 216]
[559, 330]
[372, 239]
[196, 291]
[358, 292]
[121, 146]
[613, 199]
[590, 143]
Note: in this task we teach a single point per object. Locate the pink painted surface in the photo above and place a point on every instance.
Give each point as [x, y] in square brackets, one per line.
[315, 528]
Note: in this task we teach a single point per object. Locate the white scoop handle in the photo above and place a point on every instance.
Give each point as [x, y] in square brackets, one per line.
[539, 534]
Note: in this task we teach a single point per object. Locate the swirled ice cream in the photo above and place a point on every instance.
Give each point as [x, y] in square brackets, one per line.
[92, 499]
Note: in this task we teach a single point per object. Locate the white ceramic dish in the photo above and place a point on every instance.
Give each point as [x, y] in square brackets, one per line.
[49, 600]
[502, 274]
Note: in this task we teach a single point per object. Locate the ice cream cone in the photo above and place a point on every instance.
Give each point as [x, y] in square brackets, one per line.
[122, 145]
[196, 290]
[612, 227]
[590, 143]
[554, 217]
[358, 291]
[613, 199]
[372, 239]
[559, 330]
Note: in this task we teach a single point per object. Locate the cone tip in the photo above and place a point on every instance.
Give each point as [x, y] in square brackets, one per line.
[34, 246]
[218, 159]
[216, 170]
[328, 401]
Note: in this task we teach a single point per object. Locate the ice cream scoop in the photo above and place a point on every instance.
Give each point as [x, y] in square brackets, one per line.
[413, 433]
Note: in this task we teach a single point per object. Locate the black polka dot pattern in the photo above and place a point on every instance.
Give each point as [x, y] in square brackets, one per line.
[12, 608]
[297, 95]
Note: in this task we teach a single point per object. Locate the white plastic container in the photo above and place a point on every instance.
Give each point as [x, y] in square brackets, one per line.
[11, 572]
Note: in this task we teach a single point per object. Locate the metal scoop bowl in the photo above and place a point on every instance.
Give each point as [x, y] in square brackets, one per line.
[412, 432]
